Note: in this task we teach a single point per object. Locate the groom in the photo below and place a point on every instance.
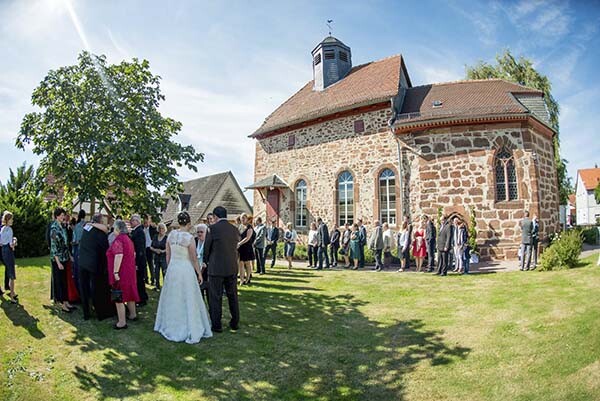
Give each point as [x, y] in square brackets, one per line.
[220, 255]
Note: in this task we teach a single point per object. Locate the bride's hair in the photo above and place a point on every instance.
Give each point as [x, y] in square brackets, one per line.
[183, 218]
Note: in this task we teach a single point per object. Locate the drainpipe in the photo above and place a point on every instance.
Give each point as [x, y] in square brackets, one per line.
[396, 106]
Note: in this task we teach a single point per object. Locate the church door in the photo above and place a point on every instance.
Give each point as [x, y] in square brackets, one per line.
[273, 204]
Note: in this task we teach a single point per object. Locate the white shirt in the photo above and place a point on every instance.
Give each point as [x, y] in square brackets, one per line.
[200, 252]
[388, 242]
[312, 237]
[148, 239]
[6, 235]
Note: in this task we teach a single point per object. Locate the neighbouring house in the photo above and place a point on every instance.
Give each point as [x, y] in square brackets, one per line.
[588, 210]
[363, 142]
[202, 195]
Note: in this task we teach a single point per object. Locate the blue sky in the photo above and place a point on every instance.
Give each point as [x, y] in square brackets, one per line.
[227, 64]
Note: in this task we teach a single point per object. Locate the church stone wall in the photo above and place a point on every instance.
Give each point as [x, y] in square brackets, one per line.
[455, 172]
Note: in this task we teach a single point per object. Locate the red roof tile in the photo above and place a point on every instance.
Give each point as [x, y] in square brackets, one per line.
[366, 84]
[590, 177]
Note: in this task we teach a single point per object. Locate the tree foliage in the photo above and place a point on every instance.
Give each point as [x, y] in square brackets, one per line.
[597, 193]
[102, 136]
[521, 71]
[23, 197]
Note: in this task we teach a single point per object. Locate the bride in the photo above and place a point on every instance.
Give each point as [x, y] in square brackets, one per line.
[181, 314]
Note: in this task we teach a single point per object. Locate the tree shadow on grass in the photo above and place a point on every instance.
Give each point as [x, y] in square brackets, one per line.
[289, 347]
[19, 316]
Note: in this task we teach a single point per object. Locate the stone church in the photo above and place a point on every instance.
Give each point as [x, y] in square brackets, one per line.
[363, 142]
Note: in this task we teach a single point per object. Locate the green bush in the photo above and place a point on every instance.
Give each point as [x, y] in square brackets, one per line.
[564, 251]
[590, 235]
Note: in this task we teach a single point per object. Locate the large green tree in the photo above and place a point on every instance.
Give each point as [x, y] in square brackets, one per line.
[101, 135]
[23, 197]
[521, 71]
[597, 193]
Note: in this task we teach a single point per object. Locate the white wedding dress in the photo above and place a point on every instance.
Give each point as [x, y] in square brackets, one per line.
[181, 314]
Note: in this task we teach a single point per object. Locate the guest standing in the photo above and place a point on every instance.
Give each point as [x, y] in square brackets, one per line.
[430, 235]
[404, 246]
[355, 246]
[93, 270]
[201, 230]
[272, 238]
[444, 245]
[149, 233]
[419, 246]
[122, 274]
[388, 243]
[345, 249]
[259, 245]
[159, 252]
[362, 231]
[139, 243]
[334, 246]
[245, 251]
[220, 252]
[312, 245]
[526, 233]
[376, 245]
[290, 237]
[459, 242]
[60, 258]
[535, 239]
[322, 243]
[77, 232]
[7, 242]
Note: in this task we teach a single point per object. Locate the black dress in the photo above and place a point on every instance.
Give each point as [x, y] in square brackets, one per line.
[246, 252]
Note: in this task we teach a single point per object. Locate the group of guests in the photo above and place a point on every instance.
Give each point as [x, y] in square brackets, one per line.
[111, 265]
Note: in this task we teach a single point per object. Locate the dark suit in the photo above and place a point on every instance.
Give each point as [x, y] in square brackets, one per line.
[334, 246]
[93, 273]
[526, 234]
[444, 244]
[362, 235]
[430, 244]
[220, 255]
[272, 238]
[322, 243]
[153, 232]
[139, 243]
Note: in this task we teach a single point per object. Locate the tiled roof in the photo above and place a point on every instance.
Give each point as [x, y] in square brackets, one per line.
[199, 192]
[365, 85]
[269, 181]
[462, 99]
[572, 199]
[590, 177]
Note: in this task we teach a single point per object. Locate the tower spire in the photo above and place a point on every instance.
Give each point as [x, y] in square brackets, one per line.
[329, 21]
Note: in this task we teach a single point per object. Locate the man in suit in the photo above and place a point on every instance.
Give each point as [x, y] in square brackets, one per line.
[322, 243]
[334, 245]
[150, 232]
[526, 234]
[430, 242]
[444, 245]
[259, 246]
[272, 238]
[376, 245]
[93, 272]
[139, 243]
[362, 241]
[220, 255]
[535, 240]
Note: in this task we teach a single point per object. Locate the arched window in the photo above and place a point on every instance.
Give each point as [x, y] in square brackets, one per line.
[301, 211]
[387, 197]
[345, 198]
[506, 177]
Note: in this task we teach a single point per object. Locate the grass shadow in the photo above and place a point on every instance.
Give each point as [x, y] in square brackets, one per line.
[289, 347]
[19, 316]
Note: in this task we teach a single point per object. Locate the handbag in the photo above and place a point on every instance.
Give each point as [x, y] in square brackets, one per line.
[116, 294]
[342, 251]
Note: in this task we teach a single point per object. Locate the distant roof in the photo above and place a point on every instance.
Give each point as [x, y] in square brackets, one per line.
[364, 85]
[572, 199]
[469, 98]
[590, 177]
[199, 193]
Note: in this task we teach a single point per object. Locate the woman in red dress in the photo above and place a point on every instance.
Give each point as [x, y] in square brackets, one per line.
[419, 249]
[121, 273]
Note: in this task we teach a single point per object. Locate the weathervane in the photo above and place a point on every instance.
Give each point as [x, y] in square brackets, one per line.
[329, 21]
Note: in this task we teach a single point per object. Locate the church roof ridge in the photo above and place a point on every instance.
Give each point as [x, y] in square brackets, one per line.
[480, 80]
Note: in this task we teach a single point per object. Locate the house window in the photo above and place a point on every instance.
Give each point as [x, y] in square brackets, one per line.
[506, 176]
[345, 198]
[301, 211]
[387, 197]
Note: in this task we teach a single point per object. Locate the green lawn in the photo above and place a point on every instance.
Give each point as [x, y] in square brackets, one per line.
[333, 335]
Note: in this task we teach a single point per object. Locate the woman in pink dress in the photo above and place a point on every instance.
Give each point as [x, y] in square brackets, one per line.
[121, 273]
[419, 249]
